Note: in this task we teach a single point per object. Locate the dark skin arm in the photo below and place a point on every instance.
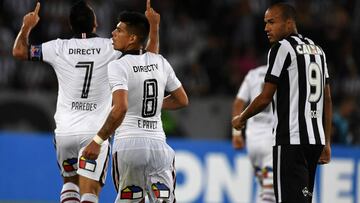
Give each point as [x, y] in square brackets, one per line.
[326, 153]
[113, 121]
[176, 99]
[256, 106]
[154, 21]
[237, 139]
[21, 44]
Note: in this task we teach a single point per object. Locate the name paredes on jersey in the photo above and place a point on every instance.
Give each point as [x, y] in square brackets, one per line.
[78, 51]
[83, 106]
[308, 49]
[152, 125]
[147, 68]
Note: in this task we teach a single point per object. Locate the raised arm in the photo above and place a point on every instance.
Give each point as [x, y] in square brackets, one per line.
[154, 21]
[176, 99]
[21, 44]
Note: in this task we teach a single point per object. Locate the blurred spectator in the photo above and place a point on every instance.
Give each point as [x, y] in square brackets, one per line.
[341, 121]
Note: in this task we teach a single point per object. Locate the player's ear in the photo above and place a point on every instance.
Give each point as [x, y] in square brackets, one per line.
[133, 38]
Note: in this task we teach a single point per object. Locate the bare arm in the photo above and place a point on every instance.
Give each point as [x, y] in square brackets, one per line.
[256, 106]
[237, 137]
[176, 99]
[328, 114]
[114, 120]
[21, 44]
[326, 153]
[238, 107]
[154, 21]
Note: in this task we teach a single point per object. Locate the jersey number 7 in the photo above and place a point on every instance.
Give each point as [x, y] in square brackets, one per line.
[88, 65]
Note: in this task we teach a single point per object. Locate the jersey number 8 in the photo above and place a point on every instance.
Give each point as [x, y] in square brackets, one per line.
[150, 98]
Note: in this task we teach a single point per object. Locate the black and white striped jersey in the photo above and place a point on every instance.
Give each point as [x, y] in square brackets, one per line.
[298, 67]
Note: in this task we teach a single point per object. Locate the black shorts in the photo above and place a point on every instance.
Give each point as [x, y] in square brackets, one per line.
[294, 172]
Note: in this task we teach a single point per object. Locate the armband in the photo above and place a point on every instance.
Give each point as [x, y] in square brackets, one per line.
[98, 139]
[35, 53]
[236, 132]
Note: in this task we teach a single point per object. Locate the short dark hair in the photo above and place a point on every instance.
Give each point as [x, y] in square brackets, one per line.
[82, 18]
[136, 24]
[287, 10]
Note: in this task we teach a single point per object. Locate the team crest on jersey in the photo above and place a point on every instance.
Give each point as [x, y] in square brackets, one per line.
[69, 165]
[131, 192]
[87, 164]
[266, 171]
[35, 52]
[160, 190]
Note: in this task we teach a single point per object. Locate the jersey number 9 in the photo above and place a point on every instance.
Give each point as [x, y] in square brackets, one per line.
[315, 81]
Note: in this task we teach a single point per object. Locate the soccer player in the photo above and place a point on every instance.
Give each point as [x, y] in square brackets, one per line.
[297, 82]
[258, 133]
[84, 96]
[143, 163]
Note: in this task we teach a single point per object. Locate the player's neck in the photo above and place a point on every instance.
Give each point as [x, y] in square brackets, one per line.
[134, 51]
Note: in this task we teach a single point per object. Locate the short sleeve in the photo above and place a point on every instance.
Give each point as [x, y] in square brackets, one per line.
[327, 77]
[278, 59]
[50, 50]
[118, 77]
[244, 90]
[172, 82]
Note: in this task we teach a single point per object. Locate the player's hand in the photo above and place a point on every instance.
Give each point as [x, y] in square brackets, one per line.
[237, 122]
[91, 151]
[325, 155]
[31, 19]
[238, 142]
[152, 16]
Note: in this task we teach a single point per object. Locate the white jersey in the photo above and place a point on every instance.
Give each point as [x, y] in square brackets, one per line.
[84, 96]
[146, 77]
[260, 126]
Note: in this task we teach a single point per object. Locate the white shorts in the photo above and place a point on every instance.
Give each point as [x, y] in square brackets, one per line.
[143, 166]
[260, 154]
[68, 152]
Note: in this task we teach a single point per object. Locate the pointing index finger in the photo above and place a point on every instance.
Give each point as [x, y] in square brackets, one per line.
[148, 5]
[37, 8]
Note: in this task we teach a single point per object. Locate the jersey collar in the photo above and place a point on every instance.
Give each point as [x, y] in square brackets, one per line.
[85, 35]
[134, 52]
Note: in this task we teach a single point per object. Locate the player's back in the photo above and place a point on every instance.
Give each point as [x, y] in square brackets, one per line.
[146, 77]
[84, 96]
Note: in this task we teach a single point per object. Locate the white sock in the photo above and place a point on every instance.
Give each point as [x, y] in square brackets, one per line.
[89, 198]
[268, 195]
[70, 193]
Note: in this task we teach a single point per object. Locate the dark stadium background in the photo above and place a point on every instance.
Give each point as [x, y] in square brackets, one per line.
[211, 44]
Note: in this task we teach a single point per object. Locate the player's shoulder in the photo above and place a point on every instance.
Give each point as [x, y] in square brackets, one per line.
[154, 55]
[260, 70]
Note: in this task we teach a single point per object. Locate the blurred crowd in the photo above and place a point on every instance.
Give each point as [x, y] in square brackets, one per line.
[211, 45]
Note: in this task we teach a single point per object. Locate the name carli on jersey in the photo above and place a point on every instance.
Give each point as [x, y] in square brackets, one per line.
[146, 68]
[83, 106]
[78, 51]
